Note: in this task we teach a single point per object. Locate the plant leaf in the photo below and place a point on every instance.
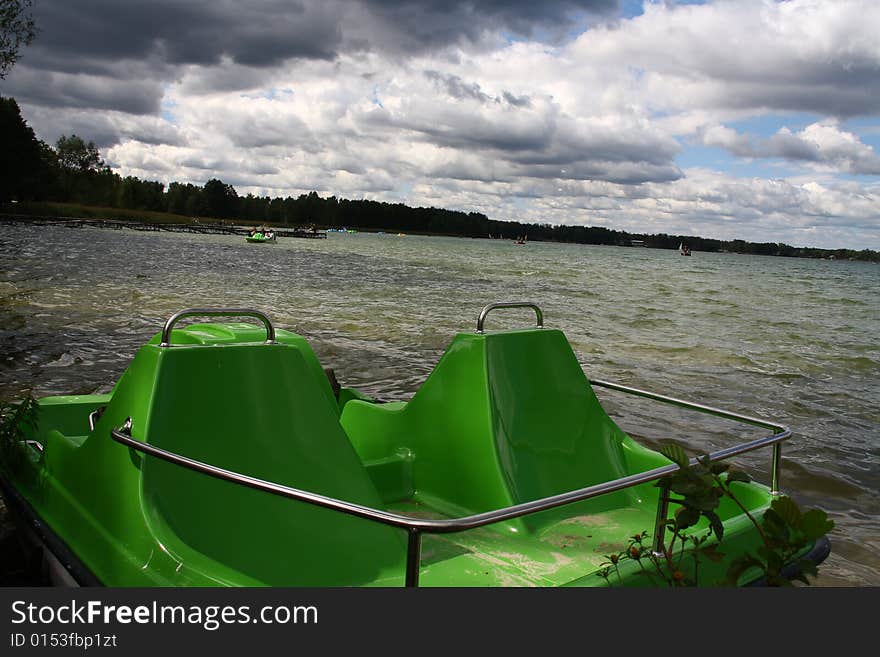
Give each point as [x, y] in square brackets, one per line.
[775, 526]
[719, 468]
[686, 485]
[815, 524]
[738, 475]
[787, 509]
[686, 517]
[675, 454]
[739, 566]
[706, 501]
[715, 523]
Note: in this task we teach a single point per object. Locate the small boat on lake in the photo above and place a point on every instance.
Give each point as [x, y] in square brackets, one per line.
[684, 249]
[260, 237]
[225, 456]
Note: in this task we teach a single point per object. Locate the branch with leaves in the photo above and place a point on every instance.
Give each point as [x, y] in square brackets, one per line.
[17, 29]
[17, 422]
[697, 489]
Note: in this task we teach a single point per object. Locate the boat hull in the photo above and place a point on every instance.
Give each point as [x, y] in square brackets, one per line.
[59, 565]
[503, 464]
[52, 561]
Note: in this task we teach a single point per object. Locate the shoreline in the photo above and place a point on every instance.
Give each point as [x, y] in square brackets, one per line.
[214, 228]
[153, 220]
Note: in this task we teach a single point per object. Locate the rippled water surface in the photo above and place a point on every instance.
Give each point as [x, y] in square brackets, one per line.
[786, 339]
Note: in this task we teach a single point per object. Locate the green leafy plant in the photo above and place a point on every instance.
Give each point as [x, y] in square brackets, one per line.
[786, 531]
[17, 421]
[697, 490]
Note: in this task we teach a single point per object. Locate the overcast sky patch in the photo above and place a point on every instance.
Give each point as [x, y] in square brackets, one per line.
[564, 111]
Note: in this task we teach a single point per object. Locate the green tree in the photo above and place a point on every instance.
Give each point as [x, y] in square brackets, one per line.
[24, 171]
[17, 29]
[183, 198]
[137, 194]
[75, 154]
[83, 175]
[220, 199]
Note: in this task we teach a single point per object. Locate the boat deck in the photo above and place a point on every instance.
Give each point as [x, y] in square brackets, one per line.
[563, 553]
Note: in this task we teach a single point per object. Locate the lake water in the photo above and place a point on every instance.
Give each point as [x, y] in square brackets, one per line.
[789, 340]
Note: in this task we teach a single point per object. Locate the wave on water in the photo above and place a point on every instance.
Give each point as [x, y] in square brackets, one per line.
[790, 339]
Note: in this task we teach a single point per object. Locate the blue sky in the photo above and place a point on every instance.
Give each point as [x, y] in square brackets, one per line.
[732, 119]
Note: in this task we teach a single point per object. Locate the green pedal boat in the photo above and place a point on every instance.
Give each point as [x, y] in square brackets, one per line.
[224, 456]
[261, 238]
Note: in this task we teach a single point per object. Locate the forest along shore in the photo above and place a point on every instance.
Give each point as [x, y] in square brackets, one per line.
[208, 228]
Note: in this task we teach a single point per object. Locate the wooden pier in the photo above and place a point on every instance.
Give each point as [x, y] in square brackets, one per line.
[212, 228]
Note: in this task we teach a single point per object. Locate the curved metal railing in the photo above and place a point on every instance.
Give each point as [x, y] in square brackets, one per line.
[539, 314]
[217, 312]
[415, 527]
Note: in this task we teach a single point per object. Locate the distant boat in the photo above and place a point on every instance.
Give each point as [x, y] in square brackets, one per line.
[523, 239]
[260, 238]
[684, 249]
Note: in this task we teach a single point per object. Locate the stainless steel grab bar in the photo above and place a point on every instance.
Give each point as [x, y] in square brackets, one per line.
[415, 527]
[94, 416]
[217, 312]
[35, 445]
[539, 314]
[781, 429]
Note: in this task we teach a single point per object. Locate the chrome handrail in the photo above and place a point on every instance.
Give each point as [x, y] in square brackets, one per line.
[217, 312]
[415, 527]
[94, 416]
[780, 429]
[539, 314]
[35, 445]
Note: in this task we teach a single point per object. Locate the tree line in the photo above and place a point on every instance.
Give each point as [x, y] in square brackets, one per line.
[72, 171]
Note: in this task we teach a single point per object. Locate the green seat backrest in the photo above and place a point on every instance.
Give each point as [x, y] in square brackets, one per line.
[216, 333]
[550, 431]
[504, 418]
[447, 427]
[254, 409]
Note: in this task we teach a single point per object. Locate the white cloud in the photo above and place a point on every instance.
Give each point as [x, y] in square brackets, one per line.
[823, 146]
[731, 55]
[587, 131]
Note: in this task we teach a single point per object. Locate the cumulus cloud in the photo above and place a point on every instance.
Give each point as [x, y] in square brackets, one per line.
[107, 129]
[82, 90]
[823, 144]
[560, 111]
[111, 56]
[95, 34]
[799, 55]
[702, 202]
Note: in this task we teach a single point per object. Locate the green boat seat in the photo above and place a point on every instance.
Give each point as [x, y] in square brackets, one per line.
[242, 332]
[222, 396]
[504, 418]
[445, 428]
[254, 409]
[549, 429]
